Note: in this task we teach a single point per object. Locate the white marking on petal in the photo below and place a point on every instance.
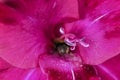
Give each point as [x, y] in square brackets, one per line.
[108, 72]
[68, 42]
[98, 18]
[29, 75]
[73, 74]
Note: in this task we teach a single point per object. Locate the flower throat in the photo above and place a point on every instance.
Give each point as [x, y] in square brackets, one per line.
[61, 47]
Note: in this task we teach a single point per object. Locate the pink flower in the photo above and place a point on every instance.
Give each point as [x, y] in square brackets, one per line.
[59, 39]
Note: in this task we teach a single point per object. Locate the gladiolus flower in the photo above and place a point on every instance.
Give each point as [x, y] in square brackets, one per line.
[59, 39]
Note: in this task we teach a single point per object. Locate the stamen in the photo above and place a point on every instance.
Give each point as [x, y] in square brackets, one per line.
[70, 36]
[62, 30]
[72, 48]
[84, 44]
[70, 43]
[70, 40]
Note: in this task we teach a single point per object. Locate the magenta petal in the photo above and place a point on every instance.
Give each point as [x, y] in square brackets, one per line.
[62, 13]
[110, 70]
[47, 61]
[103, 39]
[8, 72]
[100, 30]
[101, 47]
[57, 68]
[4, 65]
[18, 46]
[8, 15]
[21, 74]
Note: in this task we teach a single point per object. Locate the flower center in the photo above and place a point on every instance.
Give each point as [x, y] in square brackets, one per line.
[61, 47]
[67, 42]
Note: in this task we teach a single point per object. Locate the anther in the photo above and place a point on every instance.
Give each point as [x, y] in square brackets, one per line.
[62, 30]
[83, 43]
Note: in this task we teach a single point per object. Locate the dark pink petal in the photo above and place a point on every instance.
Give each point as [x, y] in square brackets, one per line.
[8, 15]
[54, 11]
[21, 74]
[100, 31]
[18, 43]
[103, 33]
[64, 11]
[17, 46]
[104, 43]
[58, 69]
[8, 72]
[110, 69]
[4, 65]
